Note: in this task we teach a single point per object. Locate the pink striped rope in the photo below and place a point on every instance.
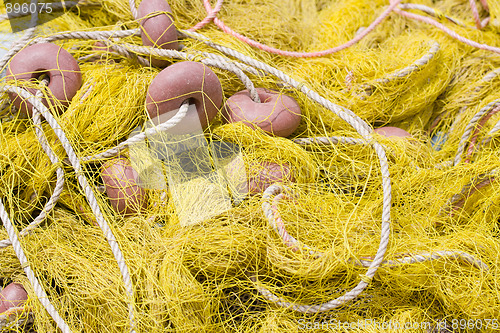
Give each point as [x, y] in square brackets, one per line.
[448, 31]
[273, 50]
[484, 3]
[460, 203]
[211, 14]
[475, 14]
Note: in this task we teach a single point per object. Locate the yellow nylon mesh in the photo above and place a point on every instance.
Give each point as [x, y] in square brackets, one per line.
[199, 277]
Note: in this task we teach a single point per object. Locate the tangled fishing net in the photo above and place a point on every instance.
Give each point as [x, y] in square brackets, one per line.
[233, 228]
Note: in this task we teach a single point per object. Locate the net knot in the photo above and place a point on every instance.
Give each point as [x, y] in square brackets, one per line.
[365, 278]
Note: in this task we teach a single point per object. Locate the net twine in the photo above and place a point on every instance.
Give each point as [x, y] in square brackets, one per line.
[362, 127]
[13, 237]
[368, 88]
[253, 66]
[488, 109]
[394, 6]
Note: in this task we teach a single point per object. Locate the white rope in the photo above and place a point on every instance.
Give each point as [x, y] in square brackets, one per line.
[85, 35]
[142, 135]
[23, 41]
[367, 88]
[430, 256]
[242, 66]
[126, 53]
[95, 35]
[226, 65]
[470, 127]
[59, 182]
[39, 291]
[75, 162]
[133, 9]
[363, 129]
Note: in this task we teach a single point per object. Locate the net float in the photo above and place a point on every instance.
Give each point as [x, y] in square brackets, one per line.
[277, 114]
[390, 131]
[121, 182]
[265, 173]
[103, 53]
[183, 81]
[157, 27]
[62, 70]
[101, 47]
[12, 296]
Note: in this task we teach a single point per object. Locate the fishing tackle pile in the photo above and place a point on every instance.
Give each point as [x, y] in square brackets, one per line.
[250, 166]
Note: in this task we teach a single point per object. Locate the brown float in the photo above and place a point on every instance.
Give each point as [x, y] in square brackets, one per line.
[121, 183]
[63, 73]
[390, 131]
[268, 174]
[183, 81]
[157, 27]
[12, 296]
[277, 114]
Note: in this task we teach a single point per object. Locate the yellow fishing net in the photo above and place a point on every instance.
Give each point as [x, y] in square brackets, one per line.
[202, 255]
